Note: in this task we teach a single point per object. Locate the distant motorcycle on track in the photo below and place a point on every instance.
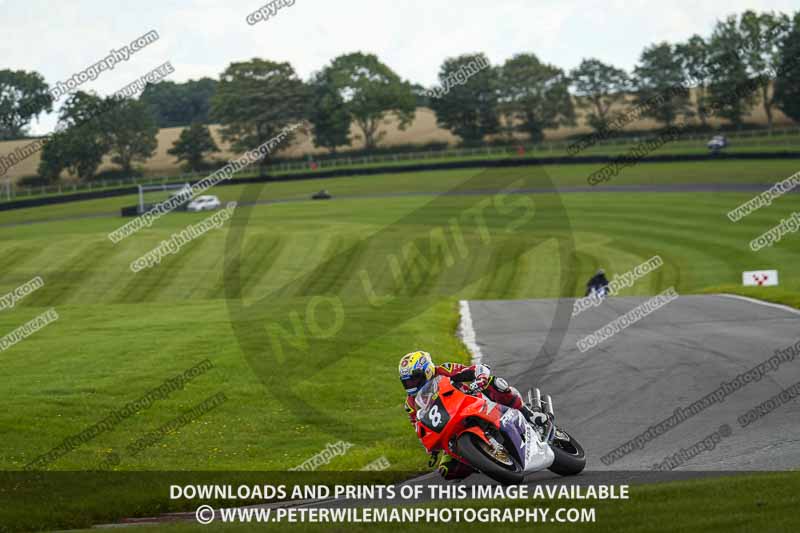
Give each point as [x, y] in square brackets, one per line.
[598, 292]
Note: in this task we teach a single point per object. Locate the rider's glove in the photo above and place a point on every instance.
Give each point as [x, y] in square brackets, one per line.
[480, 383]
[441, 462]
[433, 460]
[451, 469]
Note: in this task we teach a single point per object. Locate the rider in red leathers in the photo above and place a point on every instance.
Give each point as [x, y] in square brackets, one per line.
[417, 368]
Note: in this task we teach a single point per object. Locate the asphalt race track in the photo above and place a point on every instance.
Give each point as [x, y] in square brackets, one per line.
[670, 359]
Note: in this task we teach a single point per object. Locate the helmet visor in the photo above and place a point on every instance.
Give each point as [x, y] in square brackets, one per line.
[414, 381]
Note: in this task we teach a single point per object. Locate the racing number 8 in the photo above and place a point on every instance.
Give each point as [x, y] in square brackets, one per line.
[435, 416]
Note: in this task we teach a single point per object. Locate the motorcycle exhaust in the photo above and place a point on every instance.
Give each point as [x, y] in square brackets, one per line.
[537, 401]
[550, 406]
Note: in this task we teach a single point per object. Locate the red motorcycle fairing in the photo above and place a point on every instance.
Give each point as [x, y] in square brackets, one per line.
[450, 412]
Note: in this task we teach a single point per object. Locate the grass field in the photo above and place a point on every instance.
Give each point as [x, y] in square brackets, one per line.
[121, 334]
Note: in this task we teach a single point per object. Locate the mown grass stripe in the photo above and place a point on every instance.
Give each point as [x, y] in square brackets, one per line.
[148, 284]
[71, 275]
[17, 256]
[341, 260]
[260, 254]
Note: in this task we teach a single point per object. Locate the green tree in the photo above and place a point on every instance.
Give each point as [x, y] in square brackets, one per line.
[466, 101]
[256, 100]
[79, 143]
[693, 56]
[421, 95]
[371, 90]
[599, 87]
[180, 104]
[536, 95]
[730, 91]
[129, 130]
[54, 157]
[660, 84]
[328, 114]
[787, 82]
[192, 145]
[23, 96]
[763, 35]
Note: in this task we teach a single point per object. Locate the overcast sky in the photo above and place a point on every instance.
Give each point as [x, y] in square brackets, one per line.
[201, 37]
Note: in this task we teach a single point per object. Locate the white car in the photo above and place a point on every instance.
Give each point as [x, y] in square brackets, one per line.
[717, 143]
[204, 203]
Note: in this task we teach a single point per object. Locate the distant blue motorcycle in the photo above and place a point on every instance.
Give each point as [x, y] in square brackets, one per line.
[599, 292]
[598, 285]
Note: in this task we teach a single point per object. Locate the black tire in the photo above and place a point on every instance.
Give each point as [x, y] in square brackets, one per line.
[469, 450]
[570, 459]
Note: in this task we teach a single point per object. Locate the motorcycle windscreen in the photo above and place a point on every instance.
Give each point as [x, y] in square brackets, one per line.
[431, 412]
[427, 393]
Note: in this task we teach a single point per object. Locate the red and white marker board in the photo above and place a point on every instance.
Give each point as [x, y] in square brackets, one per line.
[760, 278]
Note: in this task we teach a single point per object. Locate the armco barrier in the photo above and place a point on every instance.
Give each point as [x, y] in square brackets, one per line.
[417, 167]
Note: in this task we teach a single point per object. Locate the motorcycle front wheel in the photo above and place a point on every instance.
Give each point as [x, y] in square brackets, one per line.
[498, 465]
[570, 459]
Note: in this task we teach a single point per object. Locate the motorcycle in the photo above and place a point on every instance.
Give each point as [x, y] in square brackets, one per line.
[493, 438]
[598, 292]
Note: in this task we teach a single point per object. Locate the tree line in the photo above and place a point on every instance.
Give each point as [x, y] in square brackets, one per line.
[253, 100]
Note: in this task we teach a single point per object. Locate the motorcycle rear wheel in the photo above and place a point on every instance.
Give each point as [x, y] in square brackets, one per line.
[471, 448]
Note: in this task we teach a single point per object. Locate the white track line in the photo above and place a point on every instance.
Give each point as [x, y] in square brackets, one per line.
[762, 302]
[467, 332]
